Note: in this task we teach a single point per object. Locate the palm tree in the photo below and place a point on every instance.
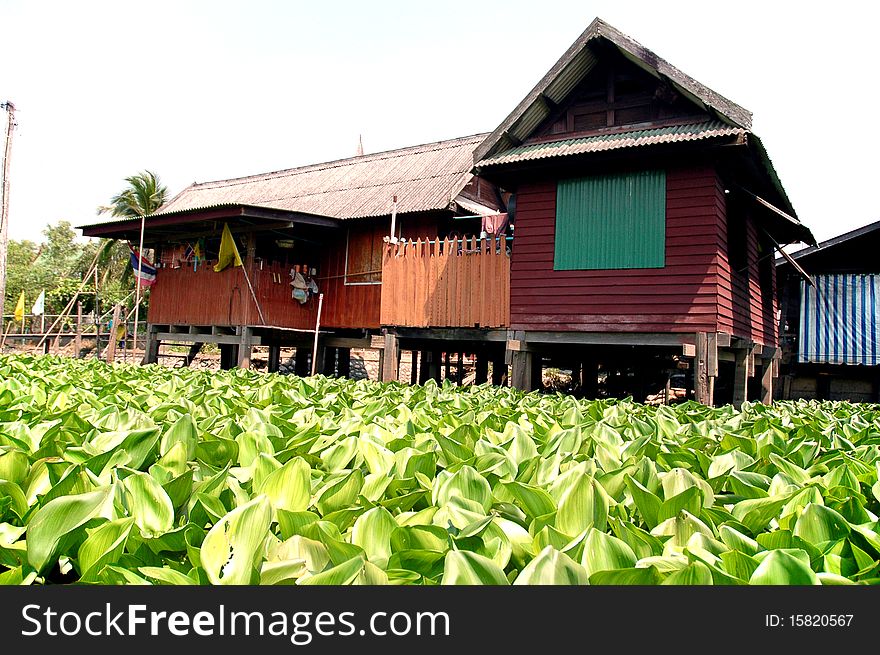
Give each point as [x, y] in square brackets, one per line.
[143, 196]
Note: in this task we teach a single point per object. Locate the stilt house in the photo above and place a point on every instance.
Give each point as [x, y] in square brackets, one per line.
[621, 222]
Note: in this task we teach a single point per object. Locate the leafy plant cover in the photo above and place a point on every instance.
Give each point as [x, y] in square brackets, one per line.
[150, 475]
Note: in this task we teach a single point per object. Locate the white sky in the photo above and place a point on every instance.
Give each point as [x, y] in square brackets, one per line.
[197, 91]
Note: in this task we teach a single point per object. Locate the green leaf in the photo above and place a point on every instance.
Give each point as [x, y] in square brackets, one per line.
[167, 576]
[58, 518]
[231, 551]
[534, 501]
[784, 567]
[289, 487]
[583, 505]
[689, 499]
[342, 574]
[757, 513]
[551, 567]
[696, 573]
[632, 576]
[466, 568]
[465, 483]
[647, 503]
[183, 431]
[372, 532]
[602, 552]
[818, 524]
[340, 494]
[148, 503]
[103, 546]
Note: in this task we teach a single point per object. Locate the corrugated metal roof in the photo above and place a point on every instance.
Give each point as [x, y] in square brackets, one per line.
[613, 141]
[423, 178]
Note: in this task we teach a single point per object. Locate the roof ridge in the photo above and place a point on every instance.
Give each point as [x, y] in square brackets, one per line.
[335, 163]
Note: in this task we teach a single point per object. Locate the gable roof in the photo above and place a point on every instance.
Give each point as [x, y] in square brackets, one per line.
[575, 64]
[424, 177]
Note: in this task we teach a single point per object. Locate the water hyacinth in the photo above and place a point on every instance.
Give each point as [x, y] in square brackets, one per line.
[151, 475]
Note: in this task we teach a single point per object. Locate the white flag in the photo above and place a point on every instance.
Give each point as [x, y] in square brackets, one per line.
[40, 304]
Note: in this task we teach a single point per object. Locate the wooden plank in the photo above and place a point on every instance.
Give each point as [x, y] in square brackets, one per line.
[767, 380]
[390, 358]
[521, 374]
[111, 346]
[245, 348]
[176, 337]
[701, 372]
[77, 343]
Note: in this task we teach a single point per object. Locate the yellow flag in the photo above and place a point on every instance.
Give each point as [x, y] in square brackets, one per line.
[228, 252]
[19, 308]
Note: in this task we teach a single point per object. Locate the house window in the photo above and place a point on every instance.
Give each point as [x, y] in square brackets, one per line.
[611, 222]
[363, 254]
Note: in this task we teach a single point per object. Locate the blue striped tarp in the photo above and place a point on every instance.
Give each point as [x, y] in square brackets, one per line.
[840, 321]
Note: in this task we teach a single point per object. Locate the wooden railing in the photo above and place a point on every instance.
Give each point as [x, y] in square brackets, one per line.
[450, 283]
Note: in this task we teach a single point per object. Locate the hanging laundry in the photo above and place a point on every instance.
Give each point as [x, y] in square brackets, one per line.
[495, 224]
[300, 291]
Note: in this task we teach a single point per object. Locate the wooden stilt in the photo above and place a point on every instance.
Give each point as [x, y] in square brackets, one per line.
[301, 361]
[521, 370]
[245, 347]
[391, 358]
[344, 362]
[274, 363]
[481, 375]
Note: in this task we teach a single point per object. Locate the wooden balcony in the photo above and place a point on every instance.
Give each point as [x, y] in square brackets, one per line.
[450, 283]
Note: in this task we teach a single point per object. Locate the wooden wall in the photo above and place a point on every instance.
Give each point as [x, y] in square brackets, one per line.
[448, 283]
[746, 306]
[695, 291]
[682, 297]
[185, 297]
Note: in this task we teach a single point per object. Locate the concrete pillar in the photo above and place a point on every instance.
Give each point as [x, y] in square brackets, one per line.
[390, 362]
[245, 347]
[274, 359]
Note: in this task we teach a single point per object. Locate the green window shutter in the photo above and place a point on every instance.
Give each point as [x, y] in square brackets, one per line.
[611, 221]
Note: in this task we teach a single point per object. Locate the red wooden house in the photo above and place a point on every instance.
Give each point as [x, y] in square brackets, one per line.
[325, 222]
[641, 215]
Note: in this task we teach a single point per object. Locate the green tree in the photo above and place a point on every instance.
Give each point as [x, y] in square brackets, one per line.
[143, 196]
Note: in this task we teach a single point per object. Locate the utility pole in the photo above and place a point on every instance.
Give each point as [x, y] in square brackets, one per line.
[4, 206]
